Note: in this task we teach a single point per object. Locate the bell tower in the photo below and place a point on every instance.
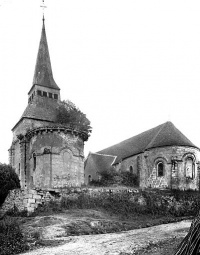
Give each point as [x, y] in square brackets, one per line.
[44, 84]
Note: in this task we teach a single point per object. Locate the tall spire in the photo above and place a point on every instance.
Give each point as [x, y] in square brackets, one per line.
[43, 75]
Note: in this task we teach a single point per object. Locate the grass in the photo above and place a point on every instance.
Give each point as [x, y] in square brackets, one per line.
[103, 212]
[12, 239]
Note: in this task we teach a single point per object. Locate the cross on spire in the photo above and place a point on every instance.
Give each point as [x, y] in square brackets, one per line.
[43, 6]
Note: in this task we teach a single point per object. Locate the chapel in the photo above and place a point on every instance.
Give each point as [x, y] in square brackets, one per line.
[45, 154]
[161, 157]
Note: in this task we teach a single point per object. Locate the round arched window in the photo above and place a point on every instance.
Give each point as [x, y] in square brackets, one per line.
[189, 167]
[131, 169]
[160, 169]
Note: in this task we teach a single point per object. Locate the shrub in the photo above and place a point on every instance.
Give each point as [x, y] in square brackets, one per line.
[12, 239]
[69, 114]
[111, 176]
[14, 212]
[129, 179]
[8, 180]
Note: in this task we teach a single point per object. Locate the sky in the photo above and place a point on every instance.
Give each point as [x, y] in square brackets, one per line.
[128, 65]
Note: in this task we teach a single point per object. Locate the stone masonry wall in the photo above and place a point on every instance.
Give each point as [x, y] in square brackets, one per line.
[174, 160]
[29, 199]
[58, 162]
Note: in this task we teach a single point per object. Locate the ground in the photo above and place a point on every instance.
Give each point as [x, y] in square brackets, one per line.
[161, 248]
[81, 232]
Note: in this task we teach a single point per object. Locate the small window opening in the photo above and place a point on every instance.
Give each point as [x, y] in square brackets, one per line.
[189, 168]
[39, 92]
[131, 169]
[160, 168]
[89, 179]
[50, 95]
[44, 94]
[34, 162]
[19, 170]
[55, 96]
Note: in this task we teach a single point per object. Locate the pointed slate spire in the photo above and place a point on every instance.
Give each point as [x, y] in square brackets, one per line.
[43, 75]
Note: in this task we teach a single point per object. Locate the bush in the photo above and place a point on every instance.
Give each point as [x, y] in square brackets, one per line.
[129, 179]
[8, 180]
[12, 240]
[111, 176]
[69, 114]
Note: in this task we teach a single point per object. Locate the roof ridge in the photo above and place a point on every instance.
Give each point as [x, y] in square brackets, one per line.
[106, 155]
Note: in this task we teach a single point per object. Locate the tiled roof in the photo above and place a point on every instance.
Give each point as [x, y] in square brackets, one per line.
[44, 109]
[163, 135]
[99, 162]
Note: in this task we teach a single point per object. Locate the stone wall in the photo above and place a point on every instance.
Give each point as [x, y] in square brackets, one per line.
[30, 199]
[27, 200]
[174, 159]
[50, 158]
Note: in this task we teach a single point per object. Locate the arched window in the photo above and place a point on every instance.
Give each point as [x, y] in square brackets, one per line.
[160, 169]
[89, 178]
[131, 169]
[189, 168]
[34, 162]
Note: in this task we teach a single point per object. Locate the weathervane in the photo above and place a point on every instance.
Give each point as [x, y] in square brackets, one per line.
[43, 6]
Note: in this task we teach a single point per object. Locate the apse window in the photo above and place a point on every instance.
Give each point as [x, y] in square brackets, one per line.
[189, 168]
[160, 169]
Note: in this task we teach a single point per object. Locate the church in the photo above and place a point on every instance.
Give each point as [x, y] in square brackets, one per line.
[45, 154]
[161, 157]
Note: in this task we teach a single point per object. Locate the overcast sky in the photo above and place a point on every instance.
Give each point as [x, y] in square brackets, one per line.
[129, 65]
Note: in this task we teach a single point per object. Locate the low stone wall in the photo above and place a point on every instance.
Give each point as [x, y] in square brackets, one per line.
[27, 200]
[30, 199]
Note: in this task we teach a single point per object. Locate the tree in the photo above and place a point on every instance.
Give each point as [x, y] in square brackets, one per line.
[8, 180]
[69, 114]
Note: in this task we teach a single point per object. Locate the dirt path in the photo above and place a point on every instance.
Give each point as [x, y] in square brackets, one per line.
[116, 243]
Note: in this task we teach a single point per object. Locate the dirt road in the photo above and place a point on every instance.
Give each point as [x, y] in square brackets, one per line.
[116, 243]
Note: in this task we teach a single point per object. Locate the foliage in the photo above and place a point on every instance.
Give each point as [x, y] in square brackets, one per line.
[111, 176]
[8, 180]
[129, 179]
[70, 114]
[108, 177]
[14, 212]
[127, 203]
[12, 239]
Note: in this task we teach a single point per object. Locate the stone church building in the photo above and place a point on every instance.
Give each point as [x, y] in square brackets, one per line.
[44, 153]
[161, 157]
